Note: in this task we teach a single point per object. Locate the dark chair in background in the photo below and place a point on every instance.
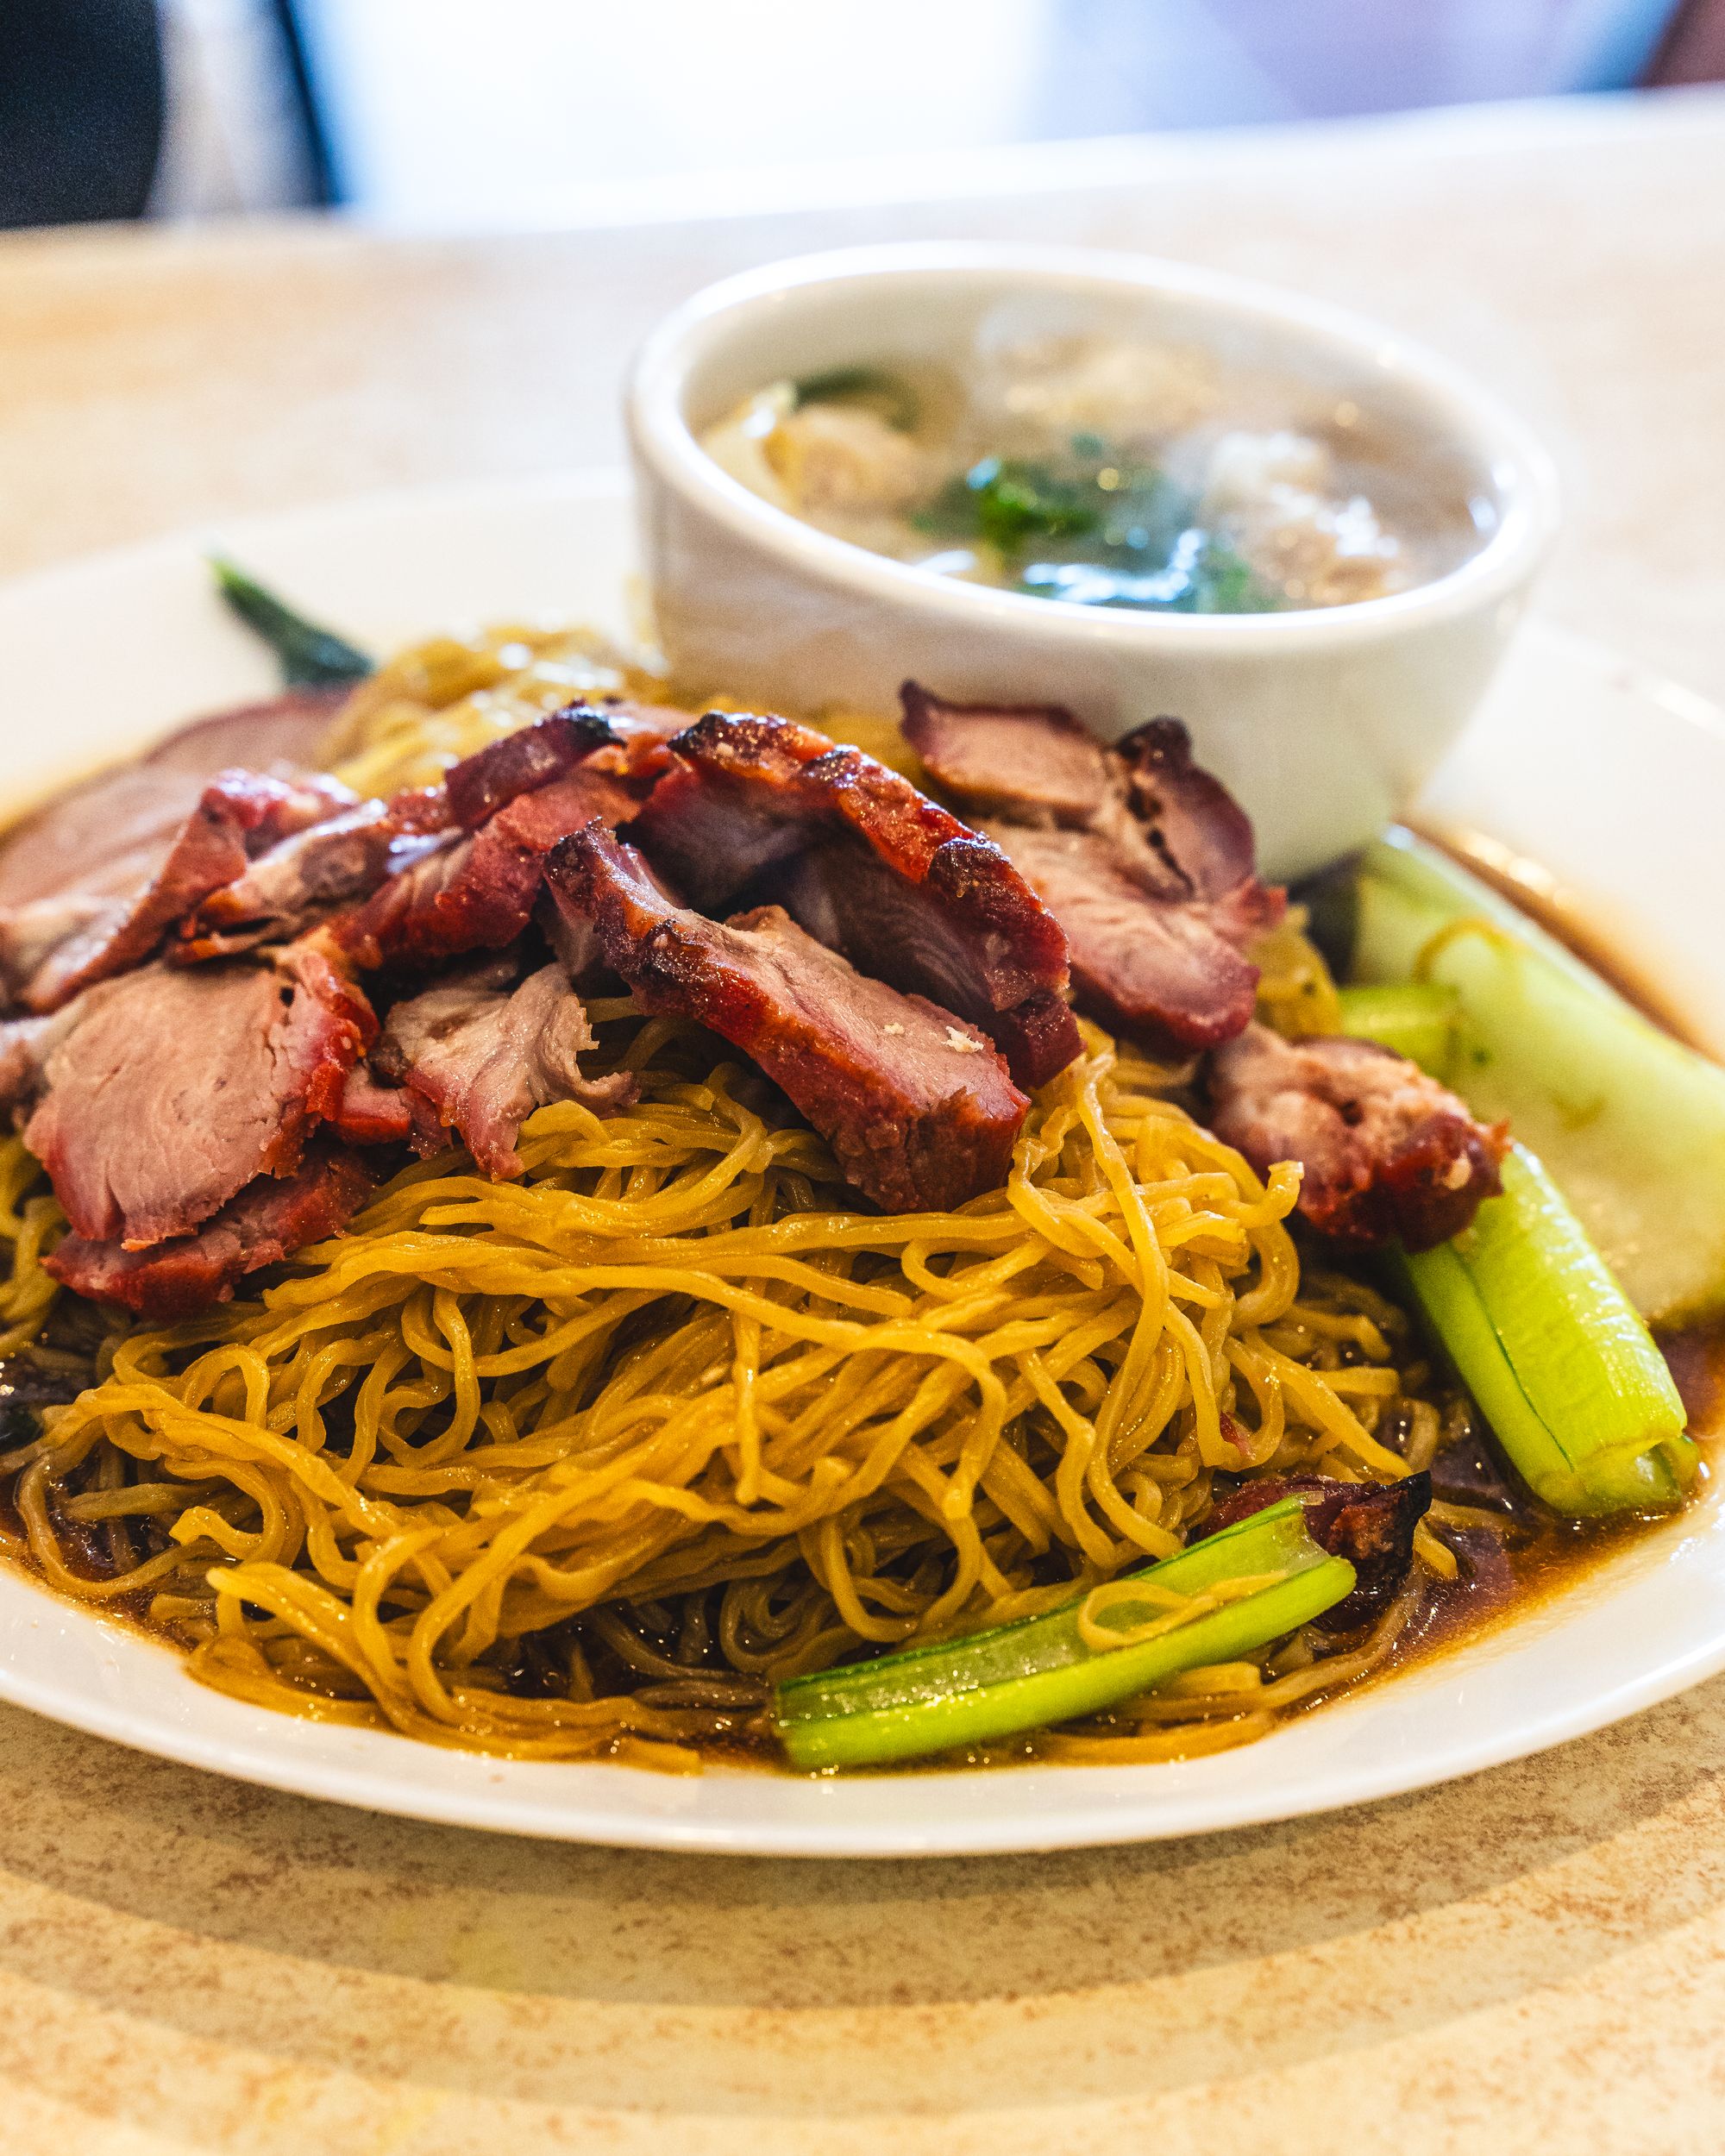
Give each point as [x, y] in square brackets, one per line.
[82, 103]
[103, 102]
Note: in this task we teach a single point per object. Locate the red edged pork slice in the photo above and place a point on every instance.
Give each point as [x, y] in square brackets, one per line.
[523, 761]
[1388, 1153]
[481, 1054]
[1155, 970]
[1196, 832]
[476, 891]
[294, 886]
[268, 1221]
[436, 895]
[239, 814]
[1032, 763]
[920, 1111]
[866, 862]
[1144, 858]
[614, 737]
[167, 1091]
[368, 1113]
[109, 836]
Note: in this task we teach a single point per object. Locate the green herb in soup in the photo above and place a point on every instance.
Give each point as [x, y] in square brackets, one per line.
[1097, 530]
[1084, 470]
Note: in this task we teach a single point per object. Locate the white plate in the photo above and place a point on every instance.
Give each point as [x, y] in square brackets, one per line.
[1611, 780]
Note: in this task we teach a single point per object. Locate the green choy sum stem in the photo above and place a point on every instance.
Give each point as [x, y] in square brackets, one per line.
[1569, 1378]
[1417, 1018]
[1050, 1669]
[1628, 1121]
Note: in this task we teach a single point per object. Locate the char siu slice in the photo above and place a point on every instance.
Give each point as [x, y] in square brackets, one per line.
[293, 889]
[269, 1220]
[1199, 836]
[918, 1109]
[867, 864]
[1156, 971]
[108, 837]
[523, 762]
[166, 1091]
[477, 1054]
[1028, 763]
[1370, 1524]
[1388, 1152]
[473, 886]
[1143, 859]
[432, 891]
[239, 815]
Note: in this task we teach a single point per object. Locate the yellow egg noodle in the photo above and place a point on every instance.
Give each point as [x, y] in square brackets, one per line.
[582, 1464]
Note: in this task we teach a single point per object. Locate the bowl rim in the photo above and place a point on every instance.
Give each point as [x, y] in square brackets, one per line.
[1521, 472]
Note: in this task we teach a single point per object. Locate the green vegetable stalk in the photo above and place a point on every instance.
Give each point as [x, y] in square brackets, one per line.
[310, 657]
[1568, 1376]
[1628, 1122]
[1044, 1669]
[1417, 1018]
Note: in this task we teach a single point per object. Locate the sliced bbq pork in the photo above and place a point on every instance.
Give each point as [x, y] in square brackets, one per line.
[760, 807]
[269, 1220]
[239, 815]
[1145, 860]
[440, 871]
[163, 1093]
[293, 885]
[111, 833]
[88, 882]
[1388, 1152]
[920, 1110]
[478, 1052]
[472, 885]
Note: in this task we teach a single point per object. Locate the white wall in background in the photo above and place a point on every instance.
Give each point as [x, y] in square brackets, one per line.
[485, 111]
[1121, 67]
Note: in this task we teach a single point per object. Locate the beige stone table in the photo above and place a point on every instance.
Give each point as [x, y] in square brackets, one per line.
[1531, 1961]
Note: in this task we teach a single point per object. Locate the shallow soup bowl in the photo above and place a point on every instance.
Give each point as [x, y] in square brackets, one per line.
[1325, 721]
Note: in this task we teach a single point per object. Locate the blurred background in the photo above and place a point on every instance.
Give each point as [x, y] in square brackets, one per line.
[513, 113]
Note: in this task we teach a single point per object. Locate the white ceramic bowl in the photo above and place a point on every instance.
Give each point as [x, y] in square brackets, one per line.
[1325, 722]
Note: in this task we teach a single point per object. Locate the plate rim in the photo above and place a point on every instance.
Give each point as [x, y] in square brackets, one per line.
[521, 1797]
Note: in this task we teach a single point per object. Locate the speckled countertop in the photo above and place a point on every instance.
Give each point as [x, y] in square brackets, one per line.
[1532, 1960]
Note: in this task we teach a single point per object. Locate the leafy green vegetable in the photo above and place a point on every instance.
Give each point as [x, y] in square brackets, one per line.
[1005, 503]
[1628, 1122]
[1568, 1376]
[894, 400]
[310, 657]
[1104, 532]
[1044, 1669]
[1417, 1018]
